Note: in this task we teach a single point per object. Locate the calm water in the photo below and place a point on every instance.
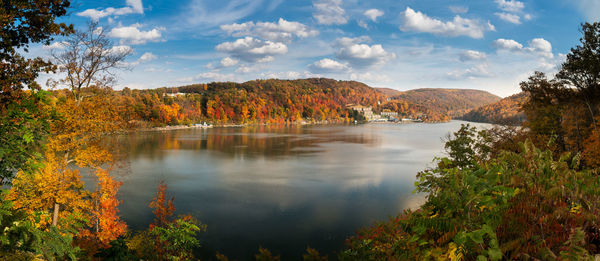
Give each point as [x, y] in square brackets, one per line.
[283, 188]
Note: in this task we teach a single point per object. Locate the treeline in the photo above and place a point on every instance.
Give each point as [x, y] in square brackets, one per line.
[451, 103]
[263, 101]
[511, 193]
[506, 111]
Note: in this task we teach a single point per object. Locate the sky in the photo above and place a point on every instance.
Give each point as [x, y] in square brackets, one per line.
[490, 45]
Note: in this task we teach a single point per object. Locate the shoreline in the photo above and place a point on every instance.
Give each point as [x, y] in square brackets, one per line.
[303, 123]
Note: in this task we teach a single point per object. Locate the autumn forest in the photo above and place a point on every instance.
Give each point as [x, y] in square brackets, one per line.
[527, 188]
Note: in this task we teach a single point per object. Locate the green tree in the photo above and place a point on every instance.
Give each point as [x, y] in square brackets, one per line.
[544, 108]
[582, 68]
[23, 120]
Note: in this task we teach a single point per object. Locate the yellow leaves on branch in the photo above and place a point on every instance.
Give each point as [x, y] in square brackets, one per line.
[77, 134]
[37, 192]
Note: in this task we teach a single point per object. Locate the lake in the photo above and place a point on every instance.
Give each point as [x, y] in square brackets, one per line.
[282, 188]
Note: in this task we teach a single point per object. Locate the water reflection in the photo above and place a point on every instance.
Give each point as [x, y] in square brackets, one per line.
[284, 188]
[260, 141]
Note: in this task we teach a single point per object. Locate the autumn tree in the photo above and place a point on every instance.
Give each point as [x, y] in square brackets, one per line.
[23, 115]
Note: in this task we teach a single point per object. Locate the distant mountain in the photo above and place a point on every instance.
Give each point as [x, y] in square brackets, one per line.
[505, 111]
[453, 102]
[389, 92]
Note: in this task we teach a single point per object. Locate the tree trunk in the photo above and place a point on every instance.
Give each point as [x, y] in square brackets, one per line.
[55, 216]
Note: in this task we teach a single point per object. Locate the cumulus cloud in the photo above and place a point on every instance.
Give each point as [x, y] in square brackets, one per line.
[120, 49]
[132, 34]
[539, 46]
[373, 14]
[56, 46]
[328, 65]
[133, 7]
[329, 12]
[252, 50]
[511, 18]
[419, 22]
[228, 62]
[147, 56]
[478, 71]
[510, 5]
[282, 31]
[358, 54]
[507, 44]
[471, 55]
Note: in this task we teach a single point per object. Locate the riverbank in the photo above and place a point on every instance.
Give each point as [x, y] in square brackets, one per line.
[301, 123]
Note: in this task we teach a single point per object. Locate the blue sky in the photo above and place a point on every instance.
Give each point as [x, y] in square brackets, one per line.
[402, 44]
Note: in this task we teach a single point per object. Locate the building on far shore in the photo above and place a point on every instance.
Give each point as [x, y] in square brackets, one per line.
[389, 114]
[366, 111]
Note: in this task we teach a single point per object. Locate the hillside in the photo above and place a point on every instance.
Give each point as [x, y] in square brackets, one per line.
[454, 102]
[506, 111]
[389, 92]
[285, 101]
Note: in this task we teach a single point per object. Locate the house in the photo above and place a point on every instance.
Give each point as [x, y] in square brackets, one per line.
[389, 114]
[364, 110]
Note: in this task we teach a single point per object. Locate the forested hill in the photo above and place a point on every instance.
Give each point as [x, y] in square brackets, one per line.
[286, 101]
[454, 102]
[506, 111]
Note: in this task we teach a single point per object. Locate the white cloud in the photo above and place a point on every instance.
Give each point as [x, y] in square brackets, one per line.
[371, 78]
[358, 54]
[329, 12]
[458, 9]
[120, 49]
[228, 62]
[55, 46]
[478, 71]
[542, 47]
[136, 5]
[471, 55]
[282, 31]
[507, 44]
[253, 50]
[512, 6]
[133, 7]
[538, 46]
[373, 14]
[147, 56]
[362, 24]
[419, 22]
[132, 34]
[248, 68]
[511, 18]
[291, 75]
[328, 65]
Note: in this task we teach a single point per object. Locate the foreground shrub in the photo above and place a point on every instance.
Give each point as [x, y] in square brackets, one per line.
[516, 206]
